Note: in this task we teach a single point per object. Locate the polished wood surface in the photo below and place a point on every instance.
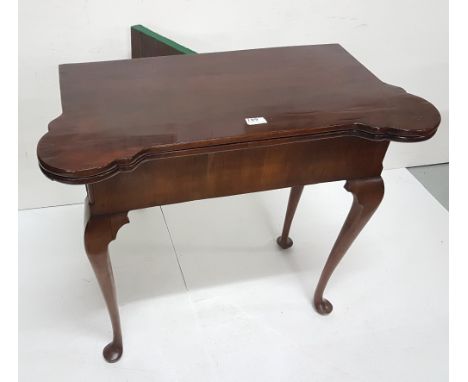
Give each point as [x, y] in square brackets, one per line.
[284, 241]
[99, 232]
[118, 114]
[155, 131]
[231, 172]
[367, 195]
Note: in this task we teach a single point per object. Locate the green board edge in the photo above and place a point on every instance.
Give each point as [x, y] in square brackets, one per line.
[148, 32]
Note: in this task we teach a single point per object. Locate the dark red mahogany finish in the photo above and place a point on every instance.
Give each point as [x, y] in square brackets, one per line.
[153, 131]
[117, 114]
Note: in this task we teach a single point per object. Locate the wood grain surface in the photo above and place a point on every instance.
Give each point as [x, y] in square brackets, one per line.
[118, 114]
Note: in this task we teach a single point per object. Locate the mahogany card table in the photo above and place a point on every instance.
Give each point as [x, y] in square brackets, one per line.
[153, 131]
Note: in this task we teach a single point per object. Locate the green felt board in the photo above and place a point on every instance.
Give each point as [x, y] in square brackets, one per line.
[162, 39]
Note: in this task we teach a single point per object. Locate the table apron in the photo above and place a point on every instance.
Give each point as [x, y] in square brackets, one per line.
[230, 172]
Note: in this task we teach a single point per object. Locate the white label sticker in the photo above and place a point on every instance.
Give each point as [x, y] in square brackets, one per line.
[255, 121]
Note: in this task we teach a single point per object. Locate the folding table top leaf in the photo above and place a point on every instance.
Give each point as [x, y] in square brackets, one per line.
[118, 113]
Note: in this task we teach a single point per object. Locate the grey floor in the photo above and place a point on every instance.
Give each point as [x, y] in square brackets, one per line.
[435, 179]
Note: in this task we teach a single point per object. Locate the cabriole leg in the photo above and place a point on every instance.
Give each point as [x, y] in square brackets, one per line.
[367, 195]
[100, 230]
[284, 241]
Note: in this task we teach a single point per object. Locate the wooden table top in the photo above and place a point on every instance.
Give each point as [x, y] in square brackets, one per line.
[118, 113]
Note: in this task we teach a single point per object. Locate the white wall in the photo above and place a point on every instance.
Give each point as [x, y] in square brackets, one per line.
[403, 42]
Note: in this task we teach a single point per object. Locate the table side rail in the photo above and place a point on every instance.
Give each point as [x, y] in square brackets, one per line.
[250, 169]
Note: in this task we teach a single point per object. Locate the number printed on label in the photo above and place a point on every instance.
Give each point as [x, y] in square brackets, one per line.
[255, 121]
